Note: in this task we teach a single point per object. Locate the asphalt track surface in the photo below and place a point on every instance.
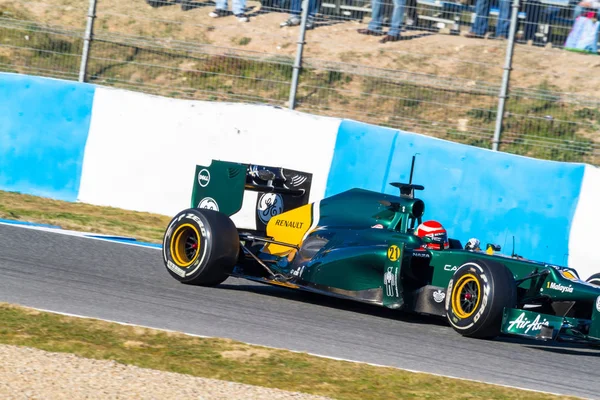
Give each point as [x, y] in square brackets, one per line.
[130, 284]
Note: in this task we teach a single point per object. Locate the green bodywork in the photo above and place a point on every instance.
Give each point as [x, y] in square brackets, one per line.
[530, 324]
[213, 178]
[361, 246]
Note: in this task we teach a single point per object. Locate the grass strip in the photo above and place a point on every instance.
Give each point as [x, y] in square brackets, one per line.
[233, 361]
[83, 217]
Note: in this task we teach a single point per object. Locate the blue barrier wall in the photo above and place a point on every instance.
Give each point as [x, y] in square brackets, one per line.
[473, 192]
[44, 125]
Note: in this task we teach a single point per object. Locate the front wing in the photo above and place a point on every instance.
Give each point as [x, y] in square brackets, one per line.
[534, 325]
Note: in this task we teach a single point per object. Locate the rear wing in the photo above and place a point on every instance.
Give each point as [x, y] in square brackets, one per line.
[222, 186]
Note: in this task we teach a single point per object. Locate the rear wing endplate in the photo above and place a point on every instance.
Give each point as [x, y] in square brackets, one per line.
[222, 184]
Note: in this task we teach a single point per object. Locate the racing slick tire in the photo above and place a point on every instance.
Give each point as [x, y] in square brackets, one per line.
[476, 296]
[594, 279]
[200, 247]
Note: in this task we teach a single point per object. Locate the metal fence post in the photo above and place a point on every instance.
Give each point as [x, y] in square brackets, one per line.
[298, 61]
[87, 40]
[506, 75]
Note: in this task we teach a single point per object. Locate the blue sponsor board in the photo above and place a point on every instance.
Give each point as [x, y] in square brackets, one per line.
[473, 192]
[44, 127]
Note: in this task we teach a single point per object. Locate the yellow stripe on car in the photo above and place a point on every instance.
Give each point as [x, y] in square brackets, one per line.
[289, 227]
[568, 275]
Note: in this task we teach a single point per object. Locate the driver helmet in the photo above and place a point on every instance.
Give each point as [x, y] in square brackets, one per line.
[473, 245]
[436, 232]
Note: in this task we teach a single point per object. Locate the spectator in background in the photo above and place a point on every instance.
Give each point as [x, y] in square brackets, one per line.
[238, 8]
[375, 26]
[503, 23]
[482, 17]
[532, 9]
[296, 11]
[533, 12]
[584, 6]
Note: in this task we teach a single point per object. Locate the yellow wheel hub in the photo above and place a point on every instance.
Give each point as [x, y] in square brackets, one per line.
[185, 245]
[466, 296]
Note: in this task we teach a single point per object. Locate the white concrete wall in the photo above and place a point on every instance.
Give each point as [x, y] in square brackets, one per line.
[584, 238]
[142, 150]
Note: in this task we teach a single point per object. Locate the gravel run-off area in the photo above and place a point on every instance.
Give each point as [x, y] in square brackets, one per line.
[27, 373]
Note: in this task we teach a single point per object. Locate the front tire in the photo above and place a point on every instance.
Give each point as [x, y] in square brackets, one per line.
[476, 297]
[200, 247]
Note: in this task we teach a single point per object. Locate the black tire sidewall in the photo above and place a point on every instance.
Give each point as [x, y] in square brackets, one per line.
[497, 291]
[191, 272]
[468, 323]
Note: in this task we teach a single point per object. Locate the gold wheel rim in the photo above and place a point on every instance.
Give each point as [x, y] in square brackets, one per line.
[185, 245]
[466, 296]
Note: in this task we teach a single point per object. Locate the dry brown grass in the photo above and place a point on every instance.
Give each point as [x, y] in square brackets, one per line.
[226, 360]
[83, 217]
[446, 55]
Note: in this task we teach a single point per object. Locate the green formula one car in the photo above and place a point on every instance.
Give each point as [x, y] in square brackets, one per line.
[361, 245]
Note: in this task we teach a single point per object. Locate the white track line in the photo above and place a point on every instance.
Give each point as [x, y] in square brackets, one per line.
[104, 238]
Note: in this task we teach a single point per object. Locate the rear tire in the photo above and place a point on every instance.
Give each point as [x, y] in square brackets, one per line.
[200, 247]
[594, 279]
[476, 296]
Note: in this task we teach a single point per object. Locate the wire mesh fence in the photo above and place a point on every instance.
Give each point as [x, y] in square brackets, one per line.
[37, 49]
[427, 66]
[179, 70]
[403, 99]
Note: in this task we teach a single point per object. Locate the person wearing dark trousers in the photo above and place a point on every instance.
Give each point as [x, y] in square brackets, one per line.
[532, 10]
[503, 23]
[375, 26]
[482, 18]
[295, 17]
